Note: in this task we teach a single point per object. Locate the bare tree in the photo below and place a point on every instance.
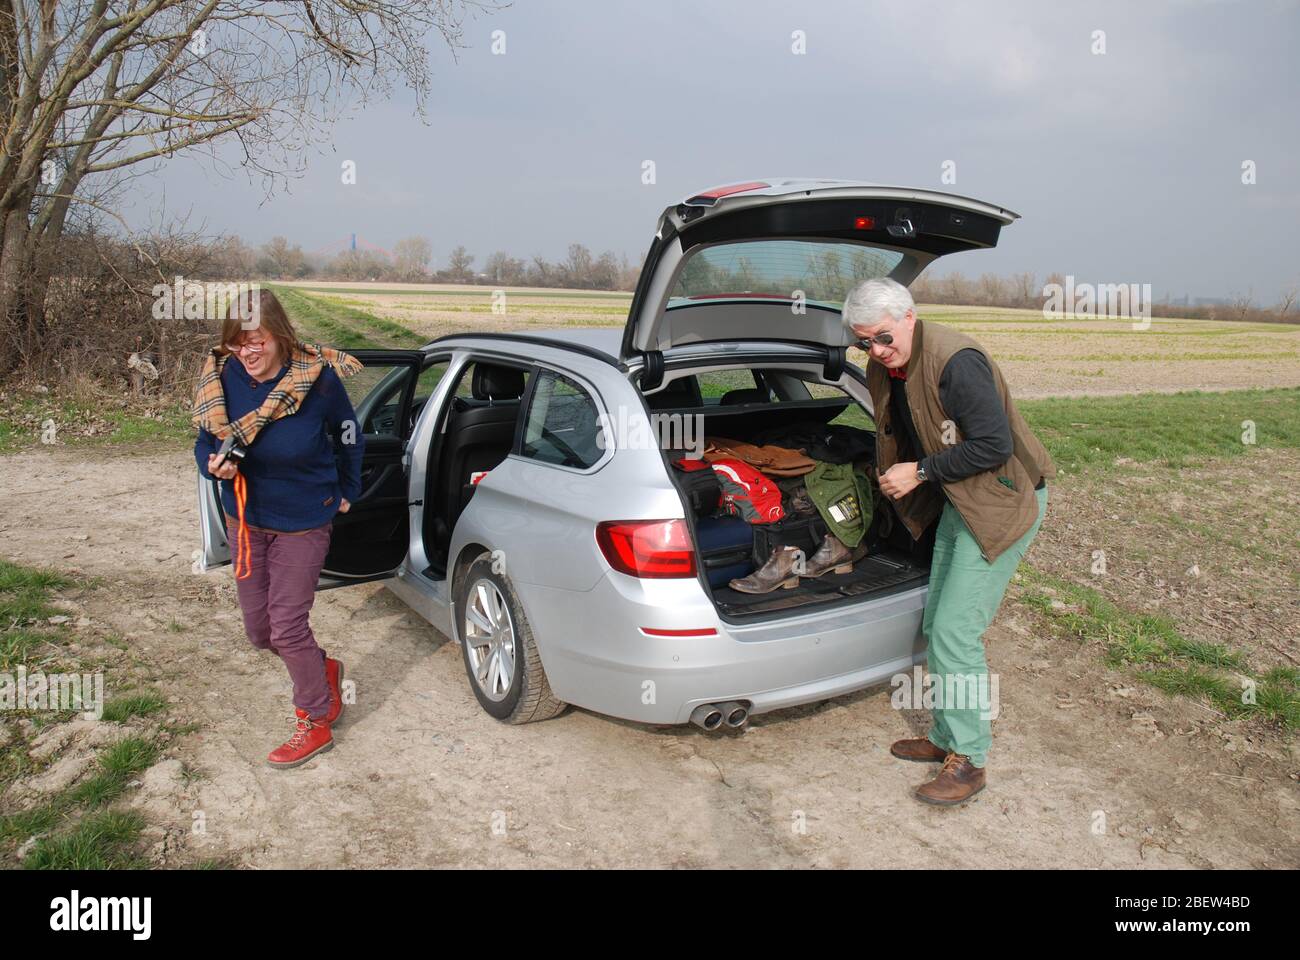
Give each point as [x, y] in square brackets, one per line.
[288, 261]
[1025, 293]
[411, 257]
[360, 265]
[990, 286]
[93, 92]
[459, 265]
[1288, 301]
[956, 288]
[505, 269]
[1241, 305]
[576, 268]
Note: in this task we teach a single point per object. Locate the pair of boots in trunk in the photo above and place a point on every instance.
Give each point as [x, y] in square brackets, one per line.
[786, 565]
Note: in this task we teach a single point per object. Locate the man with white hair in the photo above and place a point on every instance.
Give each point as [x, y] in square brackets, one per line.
[950, 446]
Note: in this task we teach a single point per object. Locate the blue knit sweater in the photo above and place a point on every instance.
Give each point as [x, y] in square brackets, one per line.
[295, 480]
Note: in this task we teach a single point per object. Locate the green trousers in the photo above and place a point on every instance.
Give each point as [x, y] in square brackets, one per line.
[965, 593]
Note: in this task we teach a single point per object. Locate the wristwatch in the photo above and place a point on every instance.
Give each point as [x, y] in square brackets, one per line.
[920, 473]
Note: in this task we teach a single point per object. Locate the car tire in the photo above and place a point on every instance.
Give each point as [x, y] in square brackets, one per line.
[490, 620]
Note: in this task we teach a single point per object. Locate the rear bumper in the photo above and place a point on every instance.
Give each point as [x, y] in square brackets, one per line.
[597, 656]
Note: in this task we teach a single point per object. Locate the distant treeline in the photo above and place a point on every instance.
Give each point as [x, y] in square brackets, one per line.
[411, 261]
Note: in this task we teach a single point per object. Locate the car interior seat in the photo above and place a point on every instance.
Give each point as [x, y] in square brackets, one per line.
[480, 432]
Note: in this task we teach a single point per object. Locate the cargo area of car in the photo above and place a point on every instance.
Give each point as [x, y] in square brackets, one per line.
[893, 561]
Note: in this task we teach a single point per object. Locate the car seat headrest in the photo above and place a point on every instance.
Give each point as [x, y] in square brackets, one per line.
[492, 382]
[751, 395]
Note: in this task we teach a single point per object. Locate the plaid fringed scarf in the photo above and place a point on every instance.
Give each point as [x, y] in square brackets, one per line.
[305, 365]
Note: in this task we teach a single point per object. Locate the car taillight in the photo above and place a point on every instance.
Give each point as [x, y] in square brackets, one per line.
[864, 223]
[647, 548]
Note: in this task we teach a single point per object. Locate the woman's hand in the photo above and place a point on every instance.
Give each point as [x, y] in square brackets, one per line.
[344, 506]
[226, 471]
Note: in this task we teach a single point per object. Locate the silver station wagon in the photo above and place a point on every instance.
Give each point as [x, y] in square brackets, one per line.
[507, 500]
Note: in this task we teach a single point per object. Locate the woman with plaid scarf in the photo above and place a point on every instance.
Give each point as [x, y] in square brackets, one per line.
[281, 403]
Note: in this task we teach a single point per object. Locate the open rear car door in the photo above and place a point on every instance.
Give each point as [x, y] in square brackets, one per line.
[371, 539]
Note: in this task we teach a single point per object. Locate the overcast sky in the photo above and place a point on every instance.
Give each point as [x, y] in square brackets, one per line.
[1125, 166]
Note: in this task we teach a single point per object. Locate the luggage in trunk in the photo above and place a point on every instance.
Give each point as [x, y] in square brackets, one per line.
[700, 485]
[893, 561]
[806, 533]
[726, 547]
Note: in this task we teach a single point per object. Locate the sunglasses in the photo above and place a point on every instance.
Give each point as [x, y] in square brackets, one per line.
[884, 339]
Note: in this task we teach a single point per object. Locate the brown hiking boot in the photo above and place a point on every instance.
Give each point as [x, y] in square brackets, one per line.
[957, 782]
[833, 555]
[919, 749]
[777, 572]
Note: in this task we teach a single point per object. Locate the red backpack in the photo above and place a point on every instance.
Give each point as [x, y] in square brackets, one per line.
[747, 493]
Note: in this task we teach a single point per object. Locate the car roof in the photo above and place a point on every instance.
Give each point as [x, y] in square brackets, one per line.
[603, 340]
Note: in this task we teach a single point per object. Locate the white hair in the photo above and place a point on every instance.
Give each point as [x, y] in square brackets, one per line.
[871, 300]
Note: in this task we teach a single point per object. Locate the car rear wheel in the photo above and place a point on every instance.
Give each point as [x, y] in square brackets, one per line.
[501, 658]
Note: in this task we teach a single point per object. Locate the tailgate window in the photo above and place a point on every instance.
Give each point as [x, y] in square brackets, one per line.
[823, 270]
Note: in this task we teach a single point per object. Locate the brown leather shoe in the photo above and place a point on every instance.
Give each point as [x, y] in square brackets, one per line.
[833, 555]
[919, 749]
[957, 782]
[777, 572]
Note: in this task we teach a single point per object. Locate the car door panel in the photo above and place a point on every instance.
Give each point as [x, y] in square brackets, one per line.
[370, 540]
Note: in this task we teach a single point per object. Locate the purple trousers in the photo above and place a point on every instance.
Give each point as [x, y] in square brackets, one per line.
[276, 599]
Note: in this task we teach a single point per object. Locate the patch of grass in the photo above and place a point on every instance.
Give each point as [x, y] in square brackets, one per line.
[128, 757]
[1133, 647]
[28, 823]
[1171, 429]
[1151, 648]
[341, 326]
[1205, 652]
[81, 419]
[1280, 700]
[1193, 681]
[101, 841]
[75, 829]
[17, 644]
[13, 576]
[137, 705]
[1283, 675]
[74, 826]
[118, 764]
[24, 606]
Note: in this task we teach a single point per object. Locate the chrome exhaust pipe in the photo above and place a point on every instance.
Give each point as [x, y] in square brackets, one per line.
[734, 714]
[707, 716]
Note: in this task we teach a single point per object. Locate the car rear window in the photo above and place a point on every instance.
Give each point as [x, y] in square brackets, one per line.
[823, 270]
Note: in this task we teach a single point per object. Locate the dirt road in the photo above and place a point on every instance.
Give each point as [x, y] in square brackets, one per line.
[1086, 770]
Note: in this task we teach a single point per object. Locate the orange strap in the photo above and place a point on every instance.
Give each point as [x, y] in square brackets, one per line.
[243, 550]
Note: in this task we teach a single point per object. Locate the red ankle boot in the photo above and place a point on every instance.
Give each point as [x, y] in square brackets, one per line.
[334, 677]
[310, 737]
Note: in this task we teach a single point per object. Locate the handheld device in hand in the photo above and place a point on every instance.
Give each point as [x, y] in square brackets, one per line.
[230, 450]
